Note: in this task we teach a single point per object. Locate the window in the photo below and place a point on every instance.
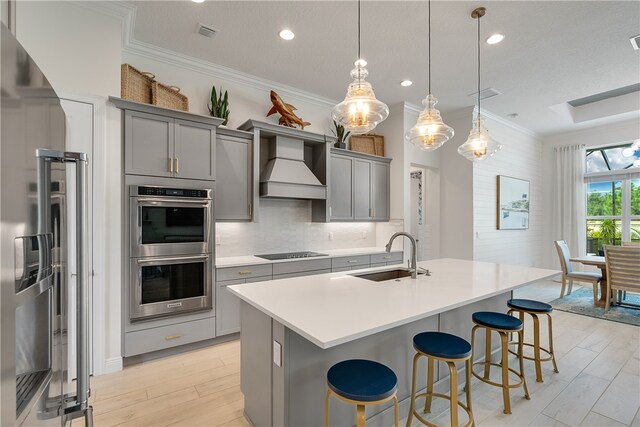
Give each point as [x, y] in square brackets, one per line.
[613, 196]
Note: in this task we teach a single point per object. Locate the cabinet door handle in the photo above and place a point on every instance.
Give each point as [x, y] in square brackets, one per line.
[177, 166]
[387, 257]
[244, 273]
[171, 164]
[173, 337]
[352, 261]
[250, 209]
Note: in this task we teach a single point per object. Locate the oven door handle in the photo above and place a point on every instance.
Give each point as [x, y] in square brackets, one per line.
[154, 201]
[172, 259]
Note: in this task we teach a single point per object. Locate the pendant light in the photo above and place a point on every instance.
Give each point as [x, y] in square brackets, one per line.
[479, 145]
[430, 132]
[360, 112]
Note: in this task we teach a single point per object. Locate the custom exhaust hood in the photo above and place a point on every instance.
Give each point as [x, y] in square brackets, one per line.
[286, 175]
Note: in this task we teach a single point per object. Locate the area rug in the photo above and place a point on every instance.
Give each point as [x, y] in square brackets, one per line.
[581, 302]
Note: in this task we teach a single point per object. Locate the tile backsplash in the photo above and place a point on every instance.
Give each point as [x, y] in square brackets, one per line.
[285, 226]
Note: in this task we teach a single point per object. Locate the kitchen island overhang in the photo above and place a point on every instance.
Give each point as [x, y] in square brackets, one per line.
[293, 330]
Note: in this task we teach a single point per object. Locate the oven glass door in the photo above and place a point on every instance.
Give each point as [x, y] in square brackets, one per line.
[170, 227]
[164, 286]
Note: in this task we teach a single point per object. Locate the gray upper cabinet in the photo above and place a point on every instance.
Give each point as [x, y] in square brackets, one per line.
[341, 189]
[233, 176]
[380, 190]
[168, 143]
[149, 142]
[195, 150]
[360, 187]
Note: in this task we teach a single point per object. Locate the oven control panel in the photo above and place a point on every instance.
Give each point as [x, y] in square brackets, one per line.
[173, 192]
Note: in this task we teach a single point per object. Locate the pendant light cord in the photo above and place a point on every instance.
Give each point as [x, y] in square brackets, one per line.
[479, 67]
[429, 47]
[359, 57]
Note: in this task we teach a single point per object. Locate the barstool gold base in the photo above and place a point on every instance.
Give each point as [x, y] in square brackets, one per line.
[536, 342]
[504, 363]
[429, 394]
[361, 420]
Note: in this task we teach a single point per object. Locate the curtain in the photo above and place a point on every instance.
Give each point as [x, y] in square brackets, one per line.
[569, 216]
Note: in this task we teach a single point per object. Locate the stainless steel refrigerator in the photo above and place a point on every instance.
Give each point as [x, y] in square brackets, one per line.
[34, 173]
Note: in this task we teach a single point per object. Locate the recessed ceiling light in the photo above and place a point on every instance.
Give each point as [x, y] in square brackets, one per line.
[495, 38]
[287, 34]
[406, 83]
[198, 1]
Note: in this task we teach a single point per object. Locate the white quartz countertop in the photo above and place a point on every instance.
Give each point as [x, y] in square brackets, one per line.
[236, 261]
[331, 309]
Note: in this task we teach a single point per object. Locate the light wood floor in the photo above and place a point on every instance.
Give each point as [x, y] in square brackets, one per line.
[598, 383]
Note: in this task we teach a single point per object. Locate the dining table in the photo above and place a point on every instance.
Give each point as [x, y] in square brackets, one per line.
[601, 263]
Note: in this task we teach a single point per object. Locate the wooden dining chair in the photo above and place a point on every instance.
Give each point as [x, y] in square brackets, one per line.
[630, 243]
[623, 270]
[568, 275]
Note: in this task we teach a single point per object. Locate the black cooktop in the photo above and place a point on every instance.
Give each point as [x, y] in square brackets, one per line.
[290, 255]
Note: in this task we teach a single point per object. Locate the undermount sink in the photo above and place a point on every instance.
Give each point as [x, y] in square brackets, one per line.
[381, 276]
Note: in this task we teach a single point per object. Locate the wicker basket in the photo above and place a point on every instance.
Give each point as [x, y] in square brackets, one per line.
[135, 85]
[168, 97]
[369, 144]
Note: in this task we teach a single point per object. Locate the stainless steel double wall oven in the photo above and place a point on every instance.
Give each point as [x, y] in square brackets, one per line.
[171, 251]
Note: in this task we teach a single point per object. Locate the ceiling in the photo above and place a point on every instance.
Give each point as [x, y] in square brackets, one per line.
[554, 51]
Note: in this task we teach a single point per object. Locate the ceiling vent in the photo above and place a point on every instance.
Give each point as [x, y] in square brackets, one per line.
[486, 93]
[635, 42]
[207, 31]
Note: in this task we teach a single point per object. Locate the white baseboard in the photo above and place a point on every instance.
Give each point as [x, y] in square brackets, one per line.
[113, 364]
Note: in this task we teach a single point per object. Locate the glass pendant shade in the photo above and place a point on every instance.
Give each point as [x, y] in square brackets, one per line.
[430, 132]
[479, 144]
[360, 112]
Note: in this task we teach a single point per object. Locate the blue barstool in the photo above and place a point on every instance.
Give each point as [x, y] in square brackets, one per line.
[362, 383]
[449, 349]
[534, 308]
[504, 325]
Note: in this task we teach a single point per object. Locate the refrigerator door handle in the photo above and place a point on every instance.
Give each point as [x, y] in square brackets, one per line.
[45, 158]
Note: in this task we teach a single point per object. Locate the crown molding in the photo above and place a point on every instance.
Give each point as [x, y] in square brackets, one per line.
[149, 51]
[126, 13]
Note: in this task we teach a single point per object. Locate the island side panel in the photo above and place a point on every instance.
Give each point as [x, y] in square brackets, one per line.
[255, 364]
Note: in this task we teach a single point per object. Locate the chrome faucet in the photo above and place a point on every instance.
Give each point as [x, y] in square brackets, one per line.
[414, 256]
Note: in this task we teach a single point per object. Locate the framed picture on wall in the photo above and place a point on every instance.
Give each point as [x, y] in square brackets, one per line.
[513, 203]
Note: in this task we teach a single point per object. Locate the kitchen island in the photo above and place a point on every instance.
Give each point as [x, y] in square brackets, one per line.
[294, 330]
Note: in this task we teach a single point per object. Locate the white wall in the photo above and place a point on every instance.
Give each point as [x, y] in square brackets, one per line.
[520, 157]
[616, 133]
[456, 192]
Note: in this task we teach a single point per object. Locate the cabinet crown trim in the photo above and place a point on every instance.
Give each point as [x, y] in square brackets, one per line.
[358, 154]
[124, 104]
[271, 129]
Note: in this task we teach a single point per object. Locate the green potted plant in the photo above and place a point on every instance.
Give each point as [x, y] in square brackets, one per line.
[219, 105]
[607, 232]
[341, 135]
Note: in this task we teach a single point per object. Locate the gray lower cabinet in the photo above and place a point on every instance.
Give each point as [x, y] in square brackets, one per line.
[350, 262]
[228, 306]
[167, 143]
[233, 175]
[154, 339]
[360, 187]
